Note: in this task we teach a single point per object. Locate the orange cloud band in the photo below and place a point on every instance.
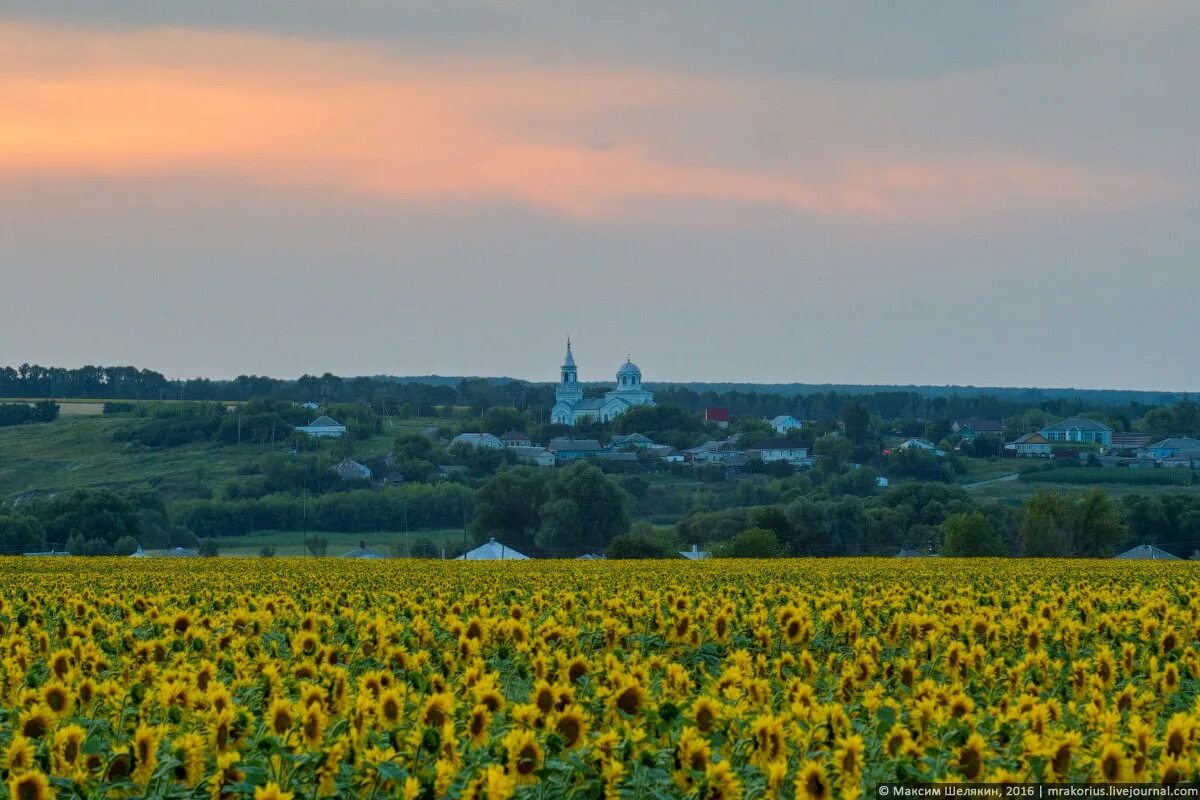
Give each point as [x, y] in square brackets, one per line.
[352, 117]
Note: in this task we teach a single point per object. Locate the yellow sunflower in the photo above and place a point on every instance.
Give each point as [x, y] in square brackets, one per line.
[30, 786]
[812, 782]
[524, 756]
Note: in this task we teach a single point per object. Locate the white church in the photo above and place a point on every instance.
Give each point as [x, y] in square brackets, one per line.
[571, 407]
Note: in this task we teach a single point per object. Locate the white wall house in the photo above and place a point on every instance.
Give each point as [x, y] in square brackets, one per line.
[324, 427]
[351, 470]
[478, 440]
[921, 444]
[784, 423]
[781, 450]
[1031, 445]
[533, 455]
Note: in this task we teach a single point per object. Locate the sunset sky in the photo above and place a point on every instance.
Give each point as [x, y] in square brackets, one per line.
[968, 193]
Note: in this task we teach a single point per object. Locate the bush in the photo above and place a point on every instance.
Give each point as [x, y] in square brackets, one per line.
[125, 546]
[208, 548]
[119, 408]
[422, 548]
[316, 545]
[266, 552]
[751, 543]
[642, 541]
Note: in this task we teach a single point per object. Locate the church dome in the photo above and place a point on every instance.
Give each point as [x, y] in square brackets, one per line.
[629, 370]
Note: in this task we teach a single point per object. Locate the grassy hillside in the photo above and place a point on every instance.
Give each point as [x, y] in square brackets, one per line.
[1017, 492]
[77, 451]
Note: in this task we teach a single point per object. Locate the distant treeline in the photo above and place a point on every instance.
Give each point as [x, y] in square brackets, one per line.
[407, 508]
[431, 395]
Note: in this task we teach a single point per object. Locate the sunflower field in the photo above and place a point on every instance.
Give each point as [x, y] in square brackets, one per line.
[718, 680]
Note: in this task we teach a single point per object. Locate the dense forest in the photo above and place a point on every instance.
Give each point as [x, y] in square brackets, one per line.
[433, 395]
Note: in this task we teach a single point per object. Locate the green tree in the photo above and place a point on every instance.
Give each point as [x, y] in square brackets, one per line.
[316, 545]
[771, 518]
[499, 420]
[642, 541]
[751, 543]
[753, 431]
[86, 514]
[508, 506]
[1040, 531]
[1065, 525]
[834, 451]
[585, 509]
[1096, 523]
[20, 533]
[856, 421]
[970, 534]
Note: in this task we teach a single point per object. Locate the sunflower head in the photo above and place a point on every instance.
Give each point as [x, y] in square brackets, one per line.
[720, 782]
[35, 722]
[477, 724]
[272, 791]
[812, 783]
[1112, 764]
[20, 754]
[969, 759]
[705, 713]
[437, 710]
[524, 756]
[68, 744]
[280, 717]
[30, 786]
[571, 725]
[848, 756]
[312, 726]
[390, 707]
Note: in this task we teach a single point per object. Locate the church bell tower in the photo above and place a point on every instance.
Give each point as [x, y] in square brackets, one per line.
[568, 389]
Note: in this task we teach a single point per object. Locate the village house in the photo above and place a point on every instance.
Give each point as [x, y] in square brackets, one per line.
[534, 455]
[714, 450]
[324, 427]
[634, 440]
[719, 415]
[670, 455]
[921, 444]
[781, 450]
[784, 423]
[478, 440]
[1170, 448]
[1031, 445]
[972, 429]
[351, 470]
[1079, 429]
[516, 439]
[492, 550]
[565, 449]
[363, 553]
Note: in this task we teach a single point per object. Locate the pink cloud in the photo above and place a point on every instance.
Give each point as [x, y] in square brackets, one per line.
[354, 118]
